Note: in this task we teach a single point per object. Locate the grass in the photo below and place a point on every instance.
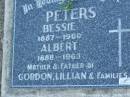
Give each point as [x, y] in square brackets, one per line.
[68, 5]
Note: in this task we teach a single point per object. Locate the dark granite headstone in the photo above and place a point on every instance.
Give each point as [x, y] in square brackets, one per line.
[80, 43]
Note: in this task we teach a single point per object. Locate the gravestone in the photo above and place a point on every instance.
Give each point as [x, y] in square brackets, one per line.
[68, 48]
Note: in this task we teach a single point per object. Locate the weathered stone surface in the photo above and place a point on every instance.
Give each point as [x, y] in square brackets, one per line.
[1, 19]
[7, 91]
[1, 31]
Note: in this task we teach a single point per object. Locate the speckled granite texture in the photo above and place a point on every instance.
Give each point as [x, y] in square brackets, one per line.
[31, 92]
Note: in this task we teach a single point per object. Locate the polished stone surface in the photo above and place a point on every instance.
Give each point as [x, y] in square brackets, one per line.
[85, 46]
